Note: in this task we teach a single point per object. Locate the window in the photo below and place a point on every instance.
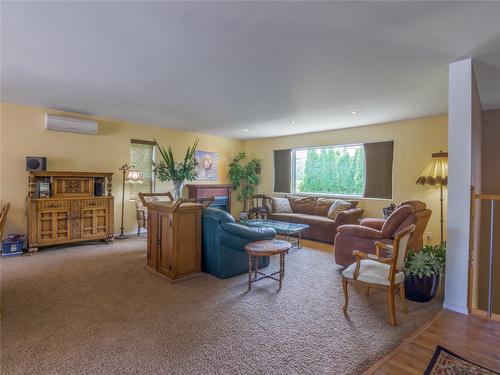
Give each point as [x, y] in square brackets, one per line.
[338, 170]
[142, 157]
[363, 170]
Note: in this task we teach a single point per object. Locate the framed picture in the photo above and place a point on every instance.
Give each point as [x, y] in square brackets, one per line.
[208, 164]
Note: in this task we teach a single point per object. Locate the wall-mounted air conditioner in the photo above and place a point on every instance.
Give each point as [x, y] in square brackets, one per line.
[70, 124]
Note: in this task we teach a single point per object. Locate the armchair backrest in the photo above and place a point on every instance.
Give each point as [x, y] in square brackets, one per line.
[217, 216]
[400, 250]
[394, 221]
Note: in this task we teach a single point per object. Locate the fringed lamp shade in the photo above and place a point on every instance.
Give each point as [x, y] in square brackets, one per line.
[436, 173]
[134, 176]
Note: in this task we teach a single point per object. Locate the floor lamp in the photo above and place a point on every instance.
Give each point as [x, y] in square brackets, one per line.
[436, 173]
[130, 175]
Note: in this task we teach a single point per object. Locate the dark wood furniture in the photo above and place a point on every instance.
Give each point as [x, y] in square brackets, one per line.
[263, 249]
[220, 192]
[174, 238]
[73, 212]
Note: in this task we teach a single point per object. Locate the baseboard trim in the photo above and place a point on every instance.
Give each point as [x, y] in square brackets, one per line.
[457, 308]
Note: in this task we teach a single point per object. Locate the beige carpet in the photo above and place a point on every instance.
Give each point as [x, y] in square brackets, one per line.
[96, 309]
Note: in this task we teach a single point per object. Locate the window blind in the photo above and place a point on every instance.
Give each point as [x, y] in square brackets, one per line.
[141, 157]
[378, 169]
[282, 171]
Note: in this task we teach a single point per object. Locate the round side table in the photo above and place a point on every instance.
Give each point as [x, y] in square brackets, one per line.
[262, 249]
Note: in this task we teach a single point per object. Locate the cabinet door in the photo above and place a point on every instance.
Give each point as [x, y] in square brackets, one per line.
[165, 250]
[53, 222]
[94, 222]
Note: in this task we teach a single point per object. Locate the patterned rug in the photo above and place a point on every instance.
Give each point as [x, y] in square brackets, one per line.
[445, 362]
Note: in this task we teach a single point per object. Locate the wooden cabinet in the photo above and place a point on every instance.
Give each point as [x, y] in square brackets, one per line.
[174, 239]
[72, 213]
[220, 192]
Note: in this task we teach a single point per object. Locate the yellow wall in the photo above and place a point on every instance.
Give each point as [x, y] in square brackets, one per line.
[414, 142]
[22, 133]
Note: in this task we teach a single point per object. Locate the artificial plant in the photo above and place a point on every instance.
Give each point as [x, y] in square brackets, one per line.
[168, 169]
[244, 176]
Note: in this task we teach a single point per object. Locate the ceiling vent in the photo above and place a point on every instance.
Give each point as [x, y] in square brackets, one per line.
[70, 124]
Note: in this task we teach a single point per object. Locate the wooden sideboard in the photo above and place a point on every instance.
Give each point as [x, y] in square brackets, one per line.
[220, 192]
[70, 211]
[174, 238]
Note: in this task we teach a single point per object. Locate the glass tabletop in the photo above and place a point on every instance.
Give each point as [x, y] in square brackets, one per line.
[280, 227]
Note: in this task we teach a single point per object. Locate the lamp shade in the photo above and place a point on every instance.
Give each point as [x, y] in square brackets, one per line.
[133, 176]
[436, 173]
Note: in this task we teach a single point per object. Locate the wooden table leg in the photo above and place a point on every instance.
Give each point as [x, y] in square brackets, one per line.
[281, 269]
[249, 272]
[256, 267]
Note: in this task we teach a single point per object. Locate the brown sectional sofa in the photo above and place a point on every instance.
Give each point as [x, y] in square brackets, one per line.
[313, 211]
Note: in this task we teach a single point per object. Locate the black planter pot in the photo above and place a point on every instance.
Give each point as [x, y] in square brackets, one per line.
[421, 289]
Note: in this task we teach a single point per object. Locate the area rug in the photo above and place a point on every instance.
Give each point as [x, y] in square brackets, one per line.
[446, 362]
[97, 309]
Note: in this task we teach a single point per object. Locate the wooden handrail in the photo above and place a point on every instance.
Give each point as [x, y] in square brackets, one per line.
[490, 197]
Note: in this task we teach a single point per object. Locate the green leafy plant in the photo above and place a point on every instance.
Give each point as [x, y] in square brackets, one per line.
[244, 176]
[170, 170]
[431, 260]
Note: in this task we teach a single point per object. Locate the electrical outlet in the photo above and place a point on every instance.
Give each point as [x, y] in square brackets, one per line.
[428, 236]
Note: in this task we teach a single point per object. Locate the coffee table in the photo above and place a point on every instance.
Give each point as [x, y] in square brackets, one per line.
[283, 229]
[263, 249]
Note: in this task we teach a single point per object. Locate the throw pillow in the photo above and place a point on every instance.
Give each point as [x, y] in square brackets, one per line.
[337, 207]
[281, 206]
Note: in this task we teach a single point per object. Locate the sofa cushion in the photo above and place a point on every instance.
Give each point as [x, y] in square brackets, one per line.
[395, 219]
[303, 205]
[337, 207]
[281, 205]
[322, 206]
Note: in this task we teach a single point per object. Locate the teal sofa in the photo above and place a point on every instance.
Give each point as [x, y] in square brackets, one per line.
[223, 242]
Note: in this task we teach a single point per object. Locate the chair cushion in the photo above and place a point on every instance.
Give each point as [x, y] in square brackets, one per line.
[323, 206]
[371, 271]
[281, 205]
[337, 207]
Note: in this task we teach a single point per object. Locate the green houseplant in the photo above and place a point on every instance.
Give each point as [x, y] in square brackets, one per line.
[423, 271]
[244, 176]
[168, 169]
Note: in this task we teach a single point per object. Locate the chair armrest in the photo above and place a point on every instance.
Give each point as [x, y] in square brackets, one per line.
[386, 246]
[361, 255]
[350, 216]
[249, 233]
[373, 223]
[360, 231]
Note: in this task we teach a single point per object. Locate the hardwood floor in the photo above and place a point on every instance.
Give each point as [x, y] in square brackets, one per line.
[473, 338]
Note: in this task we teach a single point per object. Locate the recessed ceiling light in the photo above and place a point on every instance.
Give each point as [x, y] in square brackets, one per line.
[292, 123]
[354, 112]
[247, 130]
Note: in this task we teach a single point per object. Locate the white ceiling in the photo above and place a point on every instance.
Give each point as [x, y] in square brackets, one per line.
[222, 67]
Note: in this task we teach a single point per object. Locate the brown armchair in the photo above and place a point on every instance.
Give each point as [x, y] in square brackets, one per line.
[363, 237]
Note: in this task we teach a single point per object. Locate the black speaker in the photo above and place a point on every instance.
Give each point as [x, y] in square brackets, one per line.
[36, 163]
[98, 188]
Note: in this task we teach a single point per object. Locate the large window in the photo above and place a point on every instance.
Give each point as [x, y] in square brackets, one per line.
[338, 170]
[141, 157]
[346, 170]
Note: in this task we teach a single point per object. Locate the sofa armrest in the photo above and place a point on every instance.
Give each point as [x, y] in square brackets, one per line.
[350, 216]
[249, 233]
[360, 231]
[373, 223]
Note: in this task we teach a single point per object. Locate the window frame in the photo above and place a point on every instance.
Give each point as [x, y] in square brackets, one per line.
[293, 187]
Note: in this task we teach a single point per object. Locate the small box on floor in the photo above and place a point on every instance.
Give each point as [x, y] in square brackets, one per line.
[13, 245]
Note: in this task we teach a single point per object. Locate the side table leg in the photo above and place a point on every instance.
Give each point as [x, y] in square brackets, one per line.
[281, 269]
[284, 264]
[256, 267]
[249, 272]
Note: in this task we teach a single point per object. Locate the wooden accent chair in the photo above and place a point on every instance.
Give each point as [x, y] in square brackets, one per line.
[3, 218]
[374, 271]
[142, 210]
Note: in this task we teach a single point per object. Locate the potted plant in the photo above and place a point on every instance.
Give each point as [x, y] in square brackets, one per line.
[177, 172]
[423, 272]
[244, 176]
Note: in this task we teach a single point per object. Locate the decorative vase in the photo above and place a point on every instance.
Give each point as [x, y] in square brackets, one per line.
[421, 289]
[178, 186]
